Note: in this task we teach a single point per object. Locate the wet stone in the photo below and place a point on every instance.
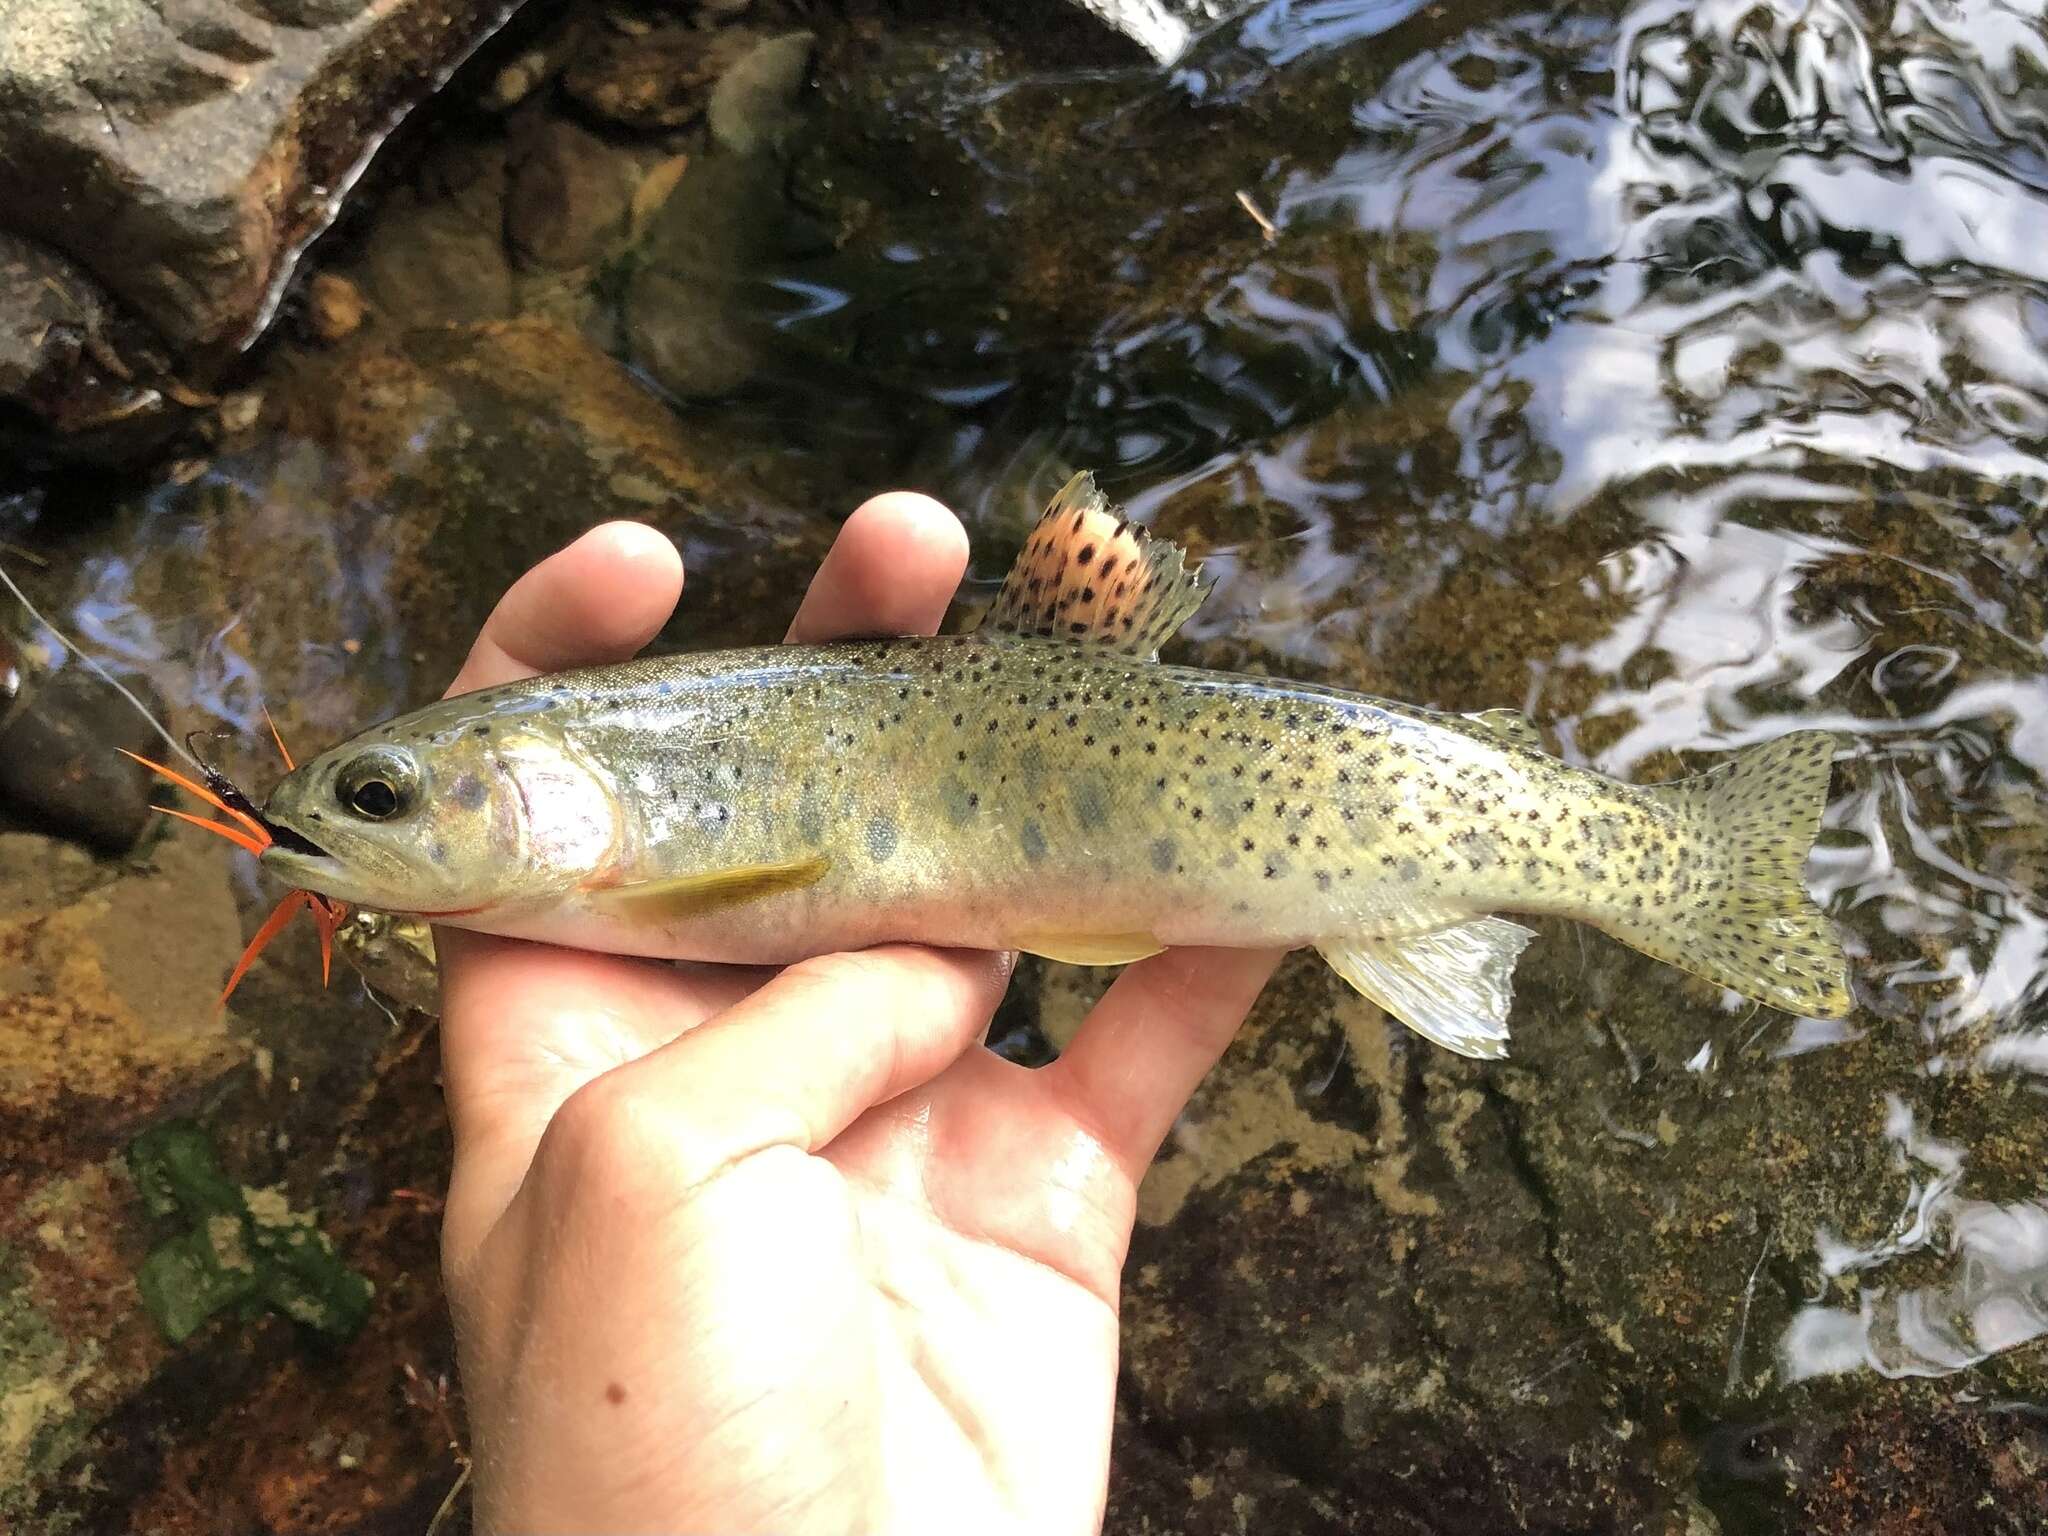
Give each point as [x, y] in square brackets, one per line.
[687, 316]
[70, 362]
[60, 766]
[334, 307]
[753, 107]
[658, 79]
[180, 154]
[107, 998]
[444, 260]
[568, 195]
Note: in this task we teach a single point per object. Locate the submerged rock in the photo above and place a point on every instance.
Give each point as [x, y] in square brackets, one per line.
[107, 998]
[334, 307]
[444, 261]
[661, 78]
[692, 312]
[182, 156]
[60, 766]
[568, 195]
[754, 104]
[461, 424]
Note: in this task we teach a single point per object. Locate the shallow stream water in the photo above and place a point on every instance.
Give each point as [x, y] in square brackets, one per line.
[1677, 373]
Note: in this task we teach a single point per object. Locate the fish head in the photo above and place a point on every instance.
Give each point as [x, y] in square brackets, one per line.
[447, 812]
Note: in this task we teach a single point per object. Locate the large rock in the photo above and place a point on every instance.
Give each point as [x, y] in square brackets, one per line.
[67, 356]
[182, 155]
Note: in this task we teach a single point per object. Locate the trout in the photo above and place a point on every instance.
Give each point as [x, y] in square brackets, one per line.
[1046, 784]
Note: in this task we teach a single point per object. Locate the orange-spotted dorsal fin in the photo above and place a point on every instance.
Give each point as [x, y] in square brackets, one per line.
[1090, 575]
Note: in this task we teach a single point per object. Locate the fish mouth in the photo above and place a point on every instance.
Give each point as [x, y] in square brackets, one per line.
[232, 799]
[299, 860]
[284, 839]
[297, 857]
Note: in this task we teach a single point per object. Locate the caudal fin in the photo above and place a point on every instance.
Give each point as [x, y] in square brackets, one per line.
[1739, 914]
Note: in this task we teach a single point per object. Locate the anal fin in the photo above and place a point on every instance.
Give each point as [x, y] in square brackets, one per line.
[1090, 948]
[1453, 986]
[694, 895]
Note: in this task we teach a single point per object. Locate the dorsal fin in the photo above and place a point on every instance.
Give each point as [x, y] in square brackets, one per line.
[1509, 725]
[1090, 575]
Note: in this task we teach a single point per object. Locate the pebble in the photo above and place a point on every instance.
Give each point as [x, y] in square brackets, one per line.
[334, 307]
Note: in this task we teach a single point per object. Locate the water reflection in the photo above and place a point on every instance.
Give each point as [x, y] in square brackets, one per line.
[1991, 1295]
[247, 585]
[1748, 299]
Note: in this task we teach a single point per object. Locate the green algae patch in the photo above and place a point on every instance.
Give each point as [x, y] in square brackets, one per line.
[239, 1247]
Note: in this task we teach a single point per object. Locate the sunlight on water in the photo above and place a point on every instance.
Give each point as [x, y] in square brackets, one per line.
[1758, 290]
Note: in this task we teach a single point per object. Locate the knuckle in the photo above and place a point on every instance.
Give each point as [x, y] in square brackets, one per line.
[608, 1135]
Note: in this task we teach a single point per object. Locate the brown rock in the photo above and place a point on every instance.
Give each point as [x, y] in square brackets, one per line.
[66, 355]
[440, 257]
[754, 104]
[662, 79]
[182, 155]
[567, 196]
[687, 320]
[107, 995]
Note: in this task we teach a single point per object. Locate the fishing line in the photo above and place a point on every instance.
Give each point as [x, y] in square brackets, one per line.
[101, 672]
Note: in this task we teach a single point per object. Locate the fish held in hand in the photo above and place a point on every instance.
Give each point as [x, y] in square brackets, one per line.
[1046, 784]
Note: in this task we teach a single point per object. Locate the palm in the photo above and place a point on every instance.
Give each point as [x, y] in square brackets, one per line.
[747, 1251]
[988, 1285]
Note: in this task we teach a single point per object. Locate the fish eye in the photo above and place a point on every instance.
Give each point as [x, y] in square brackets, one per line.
[378, 785]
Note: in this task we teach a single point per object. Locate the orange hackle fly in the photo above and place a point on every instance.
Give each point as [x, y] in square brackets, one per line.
[247, 832]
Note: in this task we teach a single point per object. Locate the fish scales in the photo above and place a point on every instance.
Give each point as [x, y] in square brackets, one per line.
[1019, 785]
[1045, 783]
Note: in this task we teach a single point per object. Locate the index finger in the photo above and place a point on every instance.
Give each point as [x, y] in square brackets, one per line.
[600, 599]
[892, 571]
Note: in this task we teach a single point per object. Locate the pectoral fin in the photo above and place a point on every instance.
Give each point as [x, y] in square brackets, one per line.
[1454, 986]
[1090, 948]
[686, 896]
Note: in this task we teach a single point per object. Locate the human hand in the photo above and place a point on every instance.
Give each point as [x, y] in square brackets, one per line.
[745, 1251]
